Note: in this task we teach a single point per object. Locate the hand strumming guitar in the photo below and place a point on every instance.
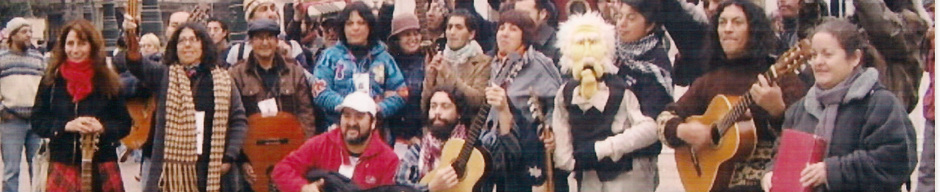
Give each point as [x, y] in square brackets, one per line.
[446, 179]
[695, 133]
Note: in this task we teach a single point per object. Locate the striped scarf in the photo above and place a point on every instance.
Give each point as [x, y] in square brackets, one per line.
[179, 169]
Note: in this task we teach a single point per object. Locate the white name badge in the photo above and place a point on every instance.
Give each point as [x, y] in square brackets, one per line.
[200, 125]
[361, 80]
[268, 107]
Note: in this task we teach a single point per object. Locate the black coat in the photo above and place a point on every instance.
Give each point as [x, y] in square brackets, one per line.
[873, 146]
[54, 108]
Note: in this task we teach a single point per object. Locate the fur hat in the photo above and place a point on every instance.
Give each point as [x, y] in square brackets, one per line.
[14, 24]
[251, 5]
[404, 22]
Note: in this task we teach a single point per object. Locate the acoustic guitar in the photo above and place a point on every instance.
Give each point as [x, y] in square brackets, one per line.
[141, 109]
[89, 144]
[711, 168]
[269, 140]
[467, 161]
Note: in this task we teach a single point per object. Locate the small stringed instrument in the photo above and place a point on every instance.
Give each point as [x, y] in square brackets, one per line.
[545, 130]
[89, 144]
[269, 139]
[711, 168]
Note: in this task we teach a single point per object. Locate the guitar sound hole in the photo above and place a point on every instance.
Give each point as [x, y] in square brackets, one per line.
[716, 135]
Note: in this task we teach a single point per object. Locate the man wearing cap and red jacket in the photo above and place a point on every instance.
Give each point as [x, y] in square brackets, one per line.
[351, 150]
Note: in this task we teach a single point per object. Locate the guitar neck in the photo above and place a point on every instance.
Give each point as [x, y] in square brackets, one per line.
[130, 36]
[741, 107]
[479, 121]
[89, 144]
[86, 175]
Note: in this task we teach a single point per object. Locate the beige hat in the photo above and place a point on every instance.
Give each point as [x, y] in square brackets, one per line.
[251, 5]
[14, 24]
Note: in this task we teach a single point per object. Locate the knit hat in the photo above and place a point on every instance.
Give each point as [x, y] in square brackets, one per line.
[251, 5]
[404, 22]
[14, 24]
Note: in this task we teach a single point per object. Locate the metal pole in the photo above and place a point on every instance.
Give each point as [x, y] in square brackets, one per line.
[110, 29]
[239, 27]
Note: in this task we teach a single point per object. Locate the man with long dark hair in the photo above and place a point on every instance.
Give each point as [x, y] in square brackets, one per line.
[741, 35]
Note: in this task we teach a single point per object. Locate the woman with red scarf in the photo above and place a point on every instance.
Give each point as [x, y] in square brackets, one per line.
[79, 95]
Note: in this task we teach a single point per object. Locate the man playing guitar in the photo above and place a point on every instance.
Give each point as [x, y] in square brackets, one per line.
[743, 33]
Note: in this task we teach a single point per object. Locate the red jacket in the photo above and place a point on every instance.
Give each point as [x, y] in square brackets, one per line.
[377, 164]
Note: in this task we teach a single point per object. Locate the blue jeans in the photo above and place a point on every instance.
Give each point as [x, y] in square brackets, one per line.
[925, 179]
[16, 134]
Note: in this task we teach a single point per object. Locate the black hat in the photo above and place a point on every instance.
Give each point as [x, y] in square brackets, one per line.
[263, 25]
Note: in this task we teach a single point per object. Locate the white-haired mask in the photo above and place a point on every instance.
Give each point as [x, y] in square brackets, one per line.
[587, 44]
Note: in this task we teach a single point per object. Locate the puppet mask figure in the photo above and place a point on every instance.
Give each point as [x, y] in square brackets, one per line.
[587, 44]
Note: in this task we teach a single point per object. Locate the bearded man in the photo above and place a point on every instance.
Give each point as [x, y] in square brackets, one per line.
[351, 150]
[448, 117]
[598, 124]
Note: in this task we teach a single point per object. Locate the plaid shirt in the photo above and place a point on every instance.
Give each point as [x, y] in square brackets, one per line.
[408, 172]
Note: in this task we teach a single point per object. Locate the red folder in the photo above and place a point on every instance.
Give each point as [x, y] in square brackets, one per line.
[797, 149]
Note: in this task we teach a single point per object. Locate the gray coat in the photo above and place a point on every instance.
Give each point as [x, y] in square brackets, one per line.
[873, 145]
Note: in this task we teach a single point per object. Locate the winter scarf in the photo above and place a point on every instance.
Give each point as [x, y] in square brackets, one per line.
[431, 148]
[629, 51]
[824, 104]
[179, 169]
[460, 56]
[78, 77]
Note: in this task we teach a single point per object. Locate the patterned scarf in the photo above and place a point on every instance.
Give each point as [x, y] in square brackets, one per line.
[431, 148]
[78, 78]
[179, 169]
[460, 56]
[627, 54]
[630, 50]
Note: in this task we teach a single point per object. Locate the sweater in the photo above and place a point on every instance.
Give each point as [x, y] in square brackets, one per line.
[20, 74]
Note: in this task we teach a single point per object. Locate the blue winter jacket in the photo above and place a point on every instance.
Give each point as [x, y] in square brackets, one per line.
[334, 71]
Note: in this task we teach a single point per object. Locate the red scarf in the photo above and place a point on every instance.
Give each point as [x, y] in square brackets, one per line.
[78, 77]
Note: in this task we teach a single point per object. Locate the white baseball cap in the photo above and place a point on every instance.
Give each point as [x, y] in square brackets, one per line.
[359, 101]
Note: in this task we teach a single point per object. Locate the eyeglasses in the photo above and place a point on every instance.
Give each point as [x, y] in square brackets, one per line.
[187, 40]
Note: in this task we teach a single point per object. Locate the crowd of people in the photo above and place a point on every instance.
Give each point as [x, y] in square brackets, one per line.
[392, 97]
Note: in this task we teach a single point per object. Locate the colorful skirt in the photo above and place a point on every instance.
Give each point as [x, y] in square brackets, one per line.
[106, 177]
